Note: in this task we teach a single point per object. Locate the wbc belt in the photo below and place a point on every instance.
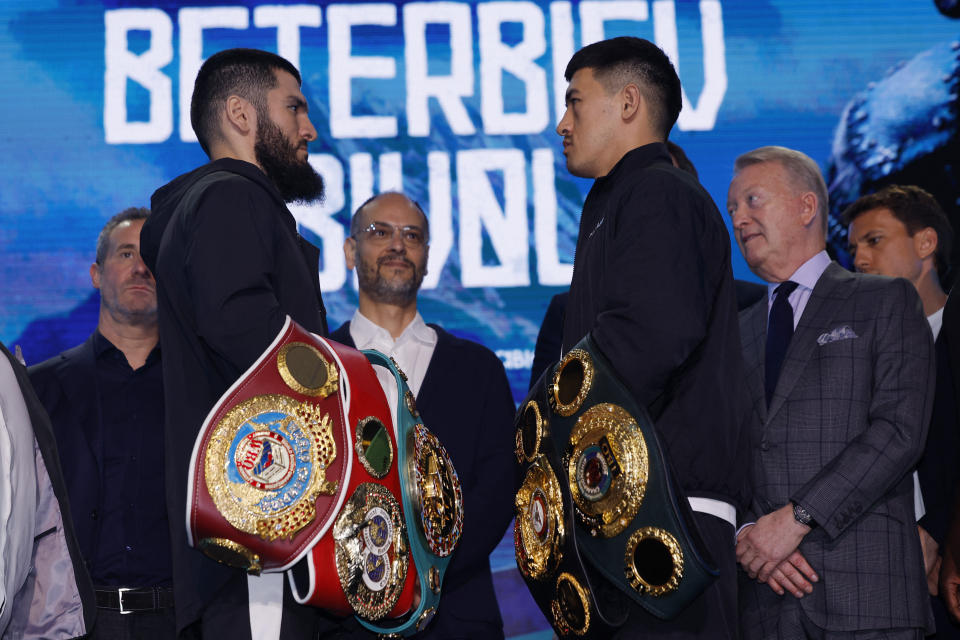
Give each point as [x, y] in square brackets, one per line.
[432, 503]
[600, 526]
[298, 468]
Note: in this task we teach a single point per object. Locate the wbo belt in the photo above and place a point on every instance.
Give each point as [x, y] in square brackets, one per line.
[601, 527]
[134, 600]
[299, 468]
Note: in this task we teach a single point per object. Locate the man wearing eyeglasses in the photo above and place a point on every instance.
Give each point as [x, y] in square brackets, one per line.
[462, 393]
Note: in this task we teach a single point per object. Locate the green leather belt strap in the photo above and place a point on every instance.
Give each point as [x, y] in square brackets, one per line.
[601, 525]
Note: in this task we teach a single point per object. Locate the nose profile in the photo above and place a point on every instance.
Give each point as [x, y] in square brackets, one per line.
[563, 127]
[308, 131]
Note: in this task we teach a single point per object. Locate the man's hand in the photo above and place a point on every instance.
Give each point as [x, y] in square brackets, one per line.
[763, 546]
[931, 559]
[950, 582]
[794, 575]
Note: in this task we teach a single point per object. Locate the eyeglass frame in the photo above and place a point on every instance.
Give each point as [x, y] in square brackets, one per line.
[394, 228]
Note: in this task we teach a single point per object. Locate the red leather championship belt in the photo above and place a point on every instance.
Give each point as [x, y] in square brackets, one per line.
[299, 455]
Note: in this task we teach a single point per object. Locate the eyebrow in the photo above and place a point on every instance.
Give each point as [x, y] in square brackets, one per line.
[300, 102]
[569, 93]
[128, 245]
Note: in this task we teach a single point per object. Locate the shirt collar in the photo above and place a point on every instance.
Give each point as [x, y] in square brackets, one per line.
[936, 322]
[367, 332]
[807, 275]
[640, 157]
[102, 345]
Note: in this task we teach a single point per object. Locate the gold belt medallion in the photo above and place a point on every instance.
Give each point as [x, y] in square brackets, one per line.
[372, 552]
[539, 529]
[265, 465]
[653, 561]
[570, 609]
[437, 492]
[607, 469]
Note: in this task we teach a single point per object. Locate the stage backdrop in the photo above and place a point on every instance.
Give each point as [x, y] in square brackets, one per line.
[455, 103]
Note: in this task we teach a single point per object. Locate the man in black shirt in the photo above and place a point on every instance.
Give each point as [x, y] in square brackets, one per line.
[105, 400]
[652, 284]
[230, 268]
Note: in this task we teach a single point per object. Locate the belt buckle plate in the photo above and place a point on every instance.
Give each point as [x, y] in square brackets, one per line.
[120, 591]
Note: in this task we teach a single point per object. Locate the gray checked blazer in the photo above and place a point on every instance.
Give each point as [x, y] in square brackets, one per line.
[846, 425]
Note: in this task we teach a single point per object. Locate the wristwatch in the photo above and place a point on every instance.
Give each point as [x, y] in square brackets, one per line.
[803, 516]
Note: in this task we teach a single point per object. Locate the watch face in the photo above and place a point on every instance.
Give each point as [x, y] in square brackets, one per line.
[801, 515]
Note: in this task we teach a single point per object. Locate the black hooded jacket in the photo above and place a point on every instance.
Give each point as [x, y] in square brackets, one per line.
[230, 266]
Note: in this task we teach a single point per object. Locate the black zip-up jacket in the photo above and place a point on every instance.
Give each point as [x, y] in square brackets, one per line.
[652, 283]
[230, 266]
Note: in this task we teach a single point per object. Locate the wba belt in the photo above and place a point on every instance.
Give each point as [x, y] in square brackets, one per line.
[299, 468]
[600, 525]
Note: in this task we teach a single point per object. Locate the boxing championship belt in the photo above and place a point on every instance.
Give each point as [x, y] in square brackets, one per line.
[600, 524]
[294, 469]
[432, 504]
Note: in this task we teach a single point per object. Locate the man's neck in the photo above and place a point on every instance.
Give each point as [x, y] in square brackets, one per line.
[931, 293]
[234, 152]
[135, 341]
[394, 318]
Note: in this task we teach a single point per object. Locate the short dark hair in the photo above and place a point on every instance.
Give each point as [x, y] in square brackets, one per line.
[127, 215]
[916, 209]
[618, 61]
[248, 73]
[355, 220]
[680, 159]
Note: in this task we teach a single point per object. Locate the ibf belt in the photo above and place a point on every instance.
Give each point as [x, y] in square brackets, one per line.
[295, 469]
[599, 526]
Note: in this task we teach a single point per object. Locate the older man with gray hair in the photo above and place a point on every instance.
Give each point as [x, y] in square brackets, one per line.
[838, 369]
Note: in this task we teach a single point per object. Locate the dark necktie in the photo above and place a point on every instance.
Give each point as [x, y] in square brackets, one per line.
[779, 332]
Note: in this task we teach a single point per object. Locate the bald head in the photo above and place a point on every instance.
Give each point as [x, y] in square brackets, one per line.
[387, 201]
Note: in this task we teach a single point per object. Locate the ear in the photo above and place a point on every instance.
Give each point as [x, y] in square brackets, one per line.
[241, 115]
[95, 275]
[925, 242]
[350, 252]
[630, 101]
[808, 212]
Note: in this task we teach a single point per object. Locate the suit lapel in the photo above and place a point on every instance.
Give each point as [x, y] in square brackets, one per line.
[755, 330]
[83, 394]
[817, 316]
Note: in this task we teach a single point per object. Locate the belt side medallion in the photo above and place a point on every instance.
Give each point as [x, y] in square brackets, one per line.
[653, 561]
[572, 381]
[437, 492]
[538, 528]
[305, 370]
[531, 429]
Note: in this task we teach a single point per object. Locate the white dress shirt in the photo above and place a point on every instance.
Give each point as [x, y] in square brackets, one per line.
[806, 278]
[412, 350]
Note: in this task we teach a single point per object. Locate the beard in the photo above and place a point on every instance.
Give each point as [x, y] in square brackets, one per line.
[390, 291]
[296, 180]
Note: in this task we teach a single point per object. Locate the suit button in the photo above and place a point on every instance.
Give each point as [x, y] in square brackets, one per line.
[93, 514]
[764, 446]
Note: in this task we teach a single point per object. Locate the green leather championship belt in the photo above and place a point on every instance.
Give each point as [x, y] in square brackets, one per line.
[600, 525]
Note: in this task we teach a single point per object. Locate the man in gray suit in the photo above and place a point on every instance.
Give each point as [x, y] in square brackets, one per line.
[838, 372]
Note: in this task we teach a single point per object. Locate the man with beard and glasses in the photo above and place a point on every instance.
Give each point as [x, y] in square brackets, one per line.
[461, 391]
[230, 267]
